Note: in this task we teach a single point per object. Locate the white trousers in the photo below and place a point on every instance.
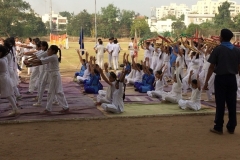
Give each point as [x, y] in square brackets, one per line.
[109, 60]
[115, 62]
[12, 101]
[23, 59]
[157, 94]
[184, 104]
[100, 60]
[154, 62]
[81, 79]
[110, 108]
[33, 79]
[171, 99]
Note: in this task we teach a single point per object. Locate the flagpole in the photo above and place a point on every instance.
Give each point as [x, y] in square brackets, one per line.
[82, 38]
[95, 21]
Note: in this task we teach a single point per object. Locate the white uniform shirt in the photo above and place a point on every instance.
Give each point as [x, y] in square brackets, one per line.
[206, 64]
[130, 46]
[196, 95]
[100, 49]
[109, 47]
[138, 76]
[54, 65]
[116, 49]
[118, 97]
[166, 57]
[159, 85]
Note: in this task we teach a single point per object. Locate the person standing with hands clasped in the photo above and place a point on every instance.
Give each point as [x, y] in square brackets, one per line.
[225, 62]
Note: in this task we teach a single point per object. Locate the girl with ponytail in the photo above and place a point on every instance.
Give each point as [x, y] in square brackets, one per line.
[54, 78]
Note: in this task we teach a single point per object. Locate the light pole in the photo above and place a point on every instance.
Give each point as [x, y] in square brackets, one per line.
[95, 21]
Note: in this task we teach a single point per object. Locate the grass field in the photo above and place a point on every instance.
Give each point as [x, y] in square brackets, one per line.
[70, 61]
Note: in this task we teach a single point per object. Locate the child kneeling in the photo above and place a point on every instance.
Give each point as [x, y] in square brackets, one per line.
[195, 102]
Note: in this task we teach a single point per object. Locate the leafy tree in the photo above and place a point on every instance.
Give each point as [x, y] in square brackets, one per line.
[223, 18]
[141, 27]
[236, 20]
[192, 28]
[126, 20]
[109, 21]
[67, 14]
[170, 16]
[83, 19]
[182, 17]
[12, 13]
[178, 27]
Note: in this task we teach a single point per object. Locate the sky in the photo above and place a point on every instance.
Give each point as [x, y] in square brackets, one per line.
[139, 6]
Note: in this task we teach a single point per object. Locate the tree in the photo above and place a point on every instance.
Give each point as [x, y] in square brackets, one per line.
[192, 28]
[109, 21]
[236, 20]
[83, 19]
[126, 20]
[13, 12]
[141, 27]
[182, 17]
[223, 18]
[170, 16]
[178, 27]
[67, 14]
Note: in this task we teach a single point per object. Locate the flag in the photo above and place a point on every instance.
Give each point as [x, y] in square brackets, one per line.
[81, 41]
[135, 45]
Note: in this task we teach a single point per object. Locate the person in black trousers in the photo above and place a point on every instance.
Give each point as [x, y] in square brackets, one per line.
[225, 62]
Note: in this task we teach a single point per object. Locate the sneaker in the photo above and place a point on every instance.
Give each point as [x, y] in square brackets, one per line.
[37, 104]
[215, 131]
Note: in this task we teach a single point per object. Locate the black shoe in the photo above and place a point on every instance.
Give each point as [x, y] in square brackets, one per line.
[230, 132]
[216, 131]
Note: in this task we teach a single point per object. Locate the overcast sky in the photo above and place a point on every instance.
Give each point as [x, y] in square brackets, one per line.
[141, 6]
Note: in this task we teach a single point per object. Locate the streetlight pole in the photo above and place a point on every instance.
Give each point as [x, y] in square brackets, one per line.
[50, 16]
[95, 21]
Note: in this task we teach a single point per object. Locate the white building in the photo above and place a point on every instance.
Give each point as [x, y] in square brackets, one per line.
[56, 18]
[211, 7]
[172, 9]
[160, 26]
[197, 18]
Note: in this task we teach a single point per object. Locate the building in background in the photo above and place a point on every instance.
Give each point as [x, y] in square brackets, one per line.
[197, 18]
[172, 9]
[59, 22]
[211, 7]
[160, 26]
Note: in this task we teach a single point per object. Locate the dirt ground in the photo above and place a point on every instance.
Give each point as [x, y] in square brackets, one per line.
[177, 137]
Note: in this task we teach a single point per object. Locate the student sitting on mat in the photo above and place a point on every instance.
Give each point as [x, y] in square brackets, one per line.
[117, 105]
[92, 85]
[137, 77]
[106, 96]
[147, 80]
[195, 102]
[159, 84]
[84, 73]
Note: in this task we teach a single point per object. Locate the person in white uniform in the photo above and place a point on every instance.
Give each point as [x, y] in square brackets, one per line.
[110, 79]
[195, 102]
[55, 84]
[117, 105]
[100, 49]
[158, 84]
[137, 73]
[115, 54]
[86, 74]
[148, 51]
[6, 89]
[194, 65]
[131, 48]
[155, 57]
[109, 49]
[11, 65]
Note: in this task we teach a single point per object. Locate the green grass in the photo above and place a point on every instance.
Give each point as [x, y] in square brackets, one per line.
[70, 61]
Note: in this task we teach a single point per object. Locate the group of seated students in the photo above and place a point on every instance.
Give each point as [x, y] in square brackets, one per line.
[149, 80]
[89, 74]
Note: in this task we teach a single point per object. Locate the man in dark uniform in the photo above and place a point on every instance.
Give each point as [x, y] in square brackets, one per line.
[225, 62]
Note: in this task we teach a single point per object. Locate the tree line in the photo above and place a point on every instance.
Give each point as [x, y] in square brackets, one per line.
[17, 18]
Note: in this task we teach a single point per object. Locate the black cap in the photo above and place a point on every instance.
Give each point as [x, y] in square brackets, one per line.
[226, 34]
